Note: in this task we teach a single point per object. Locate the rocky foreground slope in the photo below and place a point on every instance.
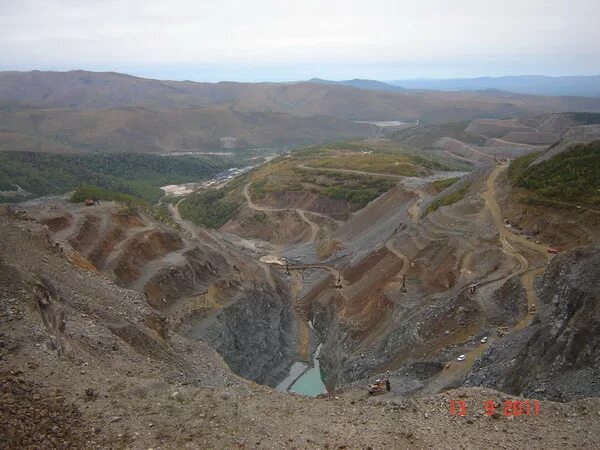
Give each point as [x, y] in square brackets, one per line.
[87, 364]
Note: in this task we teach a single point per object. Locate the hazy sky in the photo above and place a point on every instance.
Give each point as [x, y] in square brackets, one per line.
[255, 40]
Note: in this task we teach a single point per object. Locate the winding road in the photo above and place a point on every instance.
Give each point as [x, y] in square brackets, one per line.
[528, 274]
[331, 269]
[195, 232]
[357, 172]
[455, 370]
[301, 213]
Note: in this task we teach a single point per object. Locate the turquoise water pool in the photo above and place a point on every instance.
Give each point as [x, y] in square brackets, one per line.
[310, 383]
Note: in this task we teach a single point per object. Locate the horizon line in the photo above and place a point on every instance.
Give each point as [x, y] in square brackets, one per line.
[316, 77]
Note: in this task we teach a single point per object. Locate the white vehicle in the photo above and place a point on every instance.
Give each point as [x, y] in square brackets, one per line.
[461, 358]
[483, 340]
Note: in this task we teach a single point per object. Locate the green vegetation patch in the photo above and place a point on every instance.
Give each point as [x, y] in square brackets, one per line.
[395, 152]
[360, 191]
[374, 163]
[449, 199]
[139, 175]
[434, 164]
[357, 189]
[211, 208]
[309, 151]
[517, 167]
[572, 176]
[440, 185]
[586, 118]
[95, 193]
[258, 189]
[259, 217]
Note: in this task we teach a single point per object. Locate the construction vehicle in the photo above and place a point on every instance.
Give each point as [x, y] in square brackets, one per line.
[381, 386]
[338, 283]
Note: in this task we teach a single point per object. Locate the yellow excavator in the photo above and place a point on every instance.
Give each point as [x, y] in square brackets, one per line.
[381, 386]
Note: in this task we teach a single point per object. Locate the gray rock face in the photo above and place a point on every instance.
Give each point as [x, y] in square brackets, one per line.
[510, 302]
[558, 356]
[345, 363]
[576, 135]
[256, 335]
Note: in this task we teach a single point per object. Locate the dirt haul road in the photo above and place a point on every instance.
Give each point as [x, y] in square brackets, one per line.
[456, 370]
[301, 213]
[336, 273]
[194, 232]
[357, 172]
[528, 273]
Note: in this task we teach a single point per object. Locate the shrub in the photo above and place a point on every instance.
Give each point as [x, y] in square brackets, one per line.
[440, 185]
[208, 208]
[518, 166]
[449, 199]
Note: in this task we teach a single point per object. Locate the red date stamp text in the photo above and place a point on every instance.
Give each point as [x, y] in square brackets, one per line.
[514, 408]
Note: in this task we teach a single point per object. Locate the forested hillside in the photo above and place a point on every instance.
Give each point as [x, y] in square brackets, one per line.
[571, 176]
[135, 174]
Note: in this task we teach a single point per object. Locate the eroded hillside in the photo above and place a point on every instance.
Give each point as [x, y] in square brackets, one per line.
[201, 284]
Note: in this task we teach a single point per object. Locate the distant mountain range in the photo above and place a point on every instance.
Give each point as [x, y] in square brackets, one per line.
[582, 86]
[585, 86]
[360, 84]
[99, 111]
